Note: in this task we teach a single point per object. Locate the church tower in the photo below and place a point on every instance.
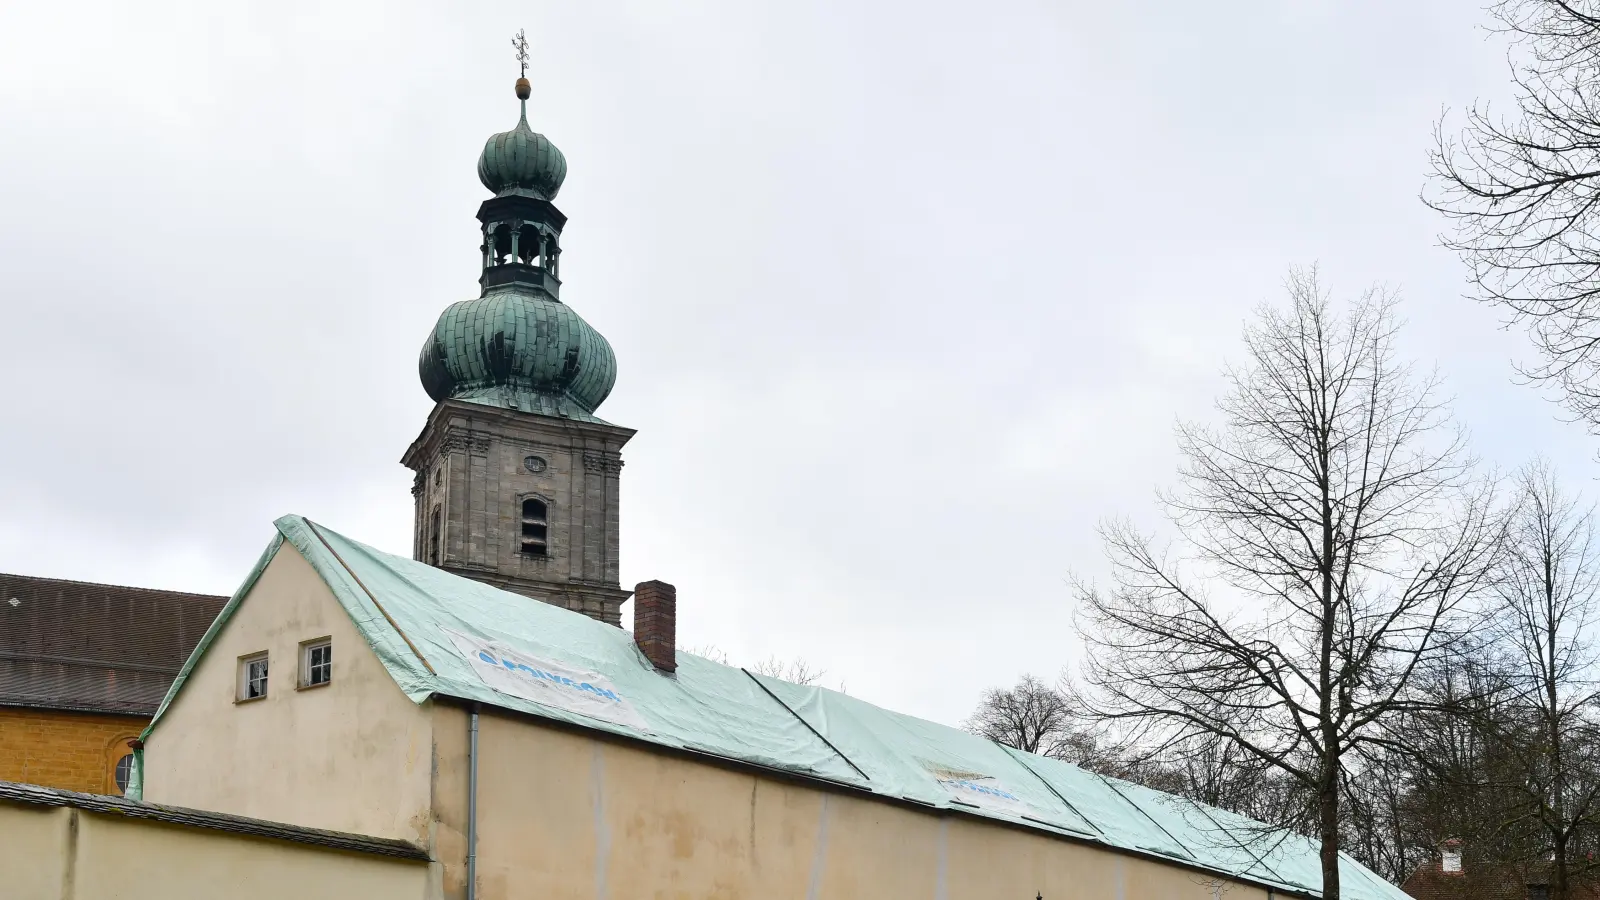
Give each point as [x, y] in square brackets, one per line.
[516, 478]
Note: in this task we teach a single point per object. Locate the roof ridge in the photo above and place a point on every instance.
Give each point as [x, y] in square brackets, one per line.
[120, 587]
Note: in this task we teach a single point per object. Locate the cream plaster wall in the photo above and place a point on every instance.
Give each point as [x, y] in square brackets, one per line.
[34, 843]
[563, 815]
[355, 755]
[73, 855]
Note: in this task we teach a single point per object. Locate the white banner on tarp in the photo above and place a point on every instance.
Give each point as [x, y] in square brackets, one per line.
[546, 683]
[979, 790]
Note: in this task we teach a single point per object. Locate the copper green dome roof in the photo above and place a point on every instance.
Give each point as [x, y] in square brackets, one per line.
[519, 349]
[522, 161]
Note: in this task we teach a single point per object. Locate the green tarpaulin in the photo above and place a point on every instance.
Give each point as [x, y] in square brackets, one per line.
[438, 633]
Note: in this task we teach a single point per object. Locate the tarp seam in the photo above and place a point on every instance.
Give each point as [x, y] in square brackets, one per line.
[1130, 801]
[1017, 755]
[820, 735]
[1260, 860]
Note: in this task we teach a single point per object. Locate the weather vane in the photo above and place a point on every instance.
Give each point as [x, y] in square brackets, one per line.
[521, 43]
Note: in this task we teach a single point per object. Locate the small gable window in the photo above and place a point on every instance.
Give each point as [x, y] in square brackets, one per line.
[535, 527]
[316, 662]
[253, 677]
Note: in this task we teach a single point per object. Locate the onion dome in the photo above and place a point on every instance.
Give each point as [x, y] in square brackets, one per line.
[521, 350]
[517, 346]
[522, 161]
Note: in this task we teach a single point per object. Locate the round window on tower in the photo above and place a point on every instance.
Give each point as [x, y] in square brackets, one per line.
[534, 464]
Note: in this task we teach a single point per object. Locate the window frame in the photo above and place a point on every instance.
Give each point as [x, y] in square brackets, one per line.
[434, 554]
[117, 749]
[307, 667]
[242, 682]
[116, 767]
[526, 542]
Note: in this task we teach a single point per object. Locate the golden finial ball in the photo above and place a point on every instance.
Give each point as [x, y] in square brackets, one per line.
[523, 89]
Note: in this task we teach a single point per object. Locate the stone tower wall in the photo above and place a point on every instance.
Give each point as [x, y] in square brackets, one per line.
[470, 464]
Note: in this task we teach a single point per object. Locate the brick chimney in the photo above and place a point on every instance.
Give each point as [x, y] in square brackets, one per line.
[655, 623]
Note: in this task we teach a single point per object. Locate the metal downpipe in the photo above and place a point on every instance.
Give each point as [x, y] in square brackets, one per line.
[472, 804]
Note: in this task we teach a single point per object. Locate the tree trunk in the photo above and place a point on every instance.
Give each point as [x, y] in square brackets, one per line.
[1328, 815]
[1558, 887]
[1552, 699]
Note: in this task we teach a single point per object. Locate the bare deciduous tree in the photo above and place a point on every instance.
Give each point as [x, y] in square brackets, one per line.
[1338, 512]
[1457, 781]
[1547, 587]
[1038, 718]
[1523, 192]
[796, 671]
[708, 651]
[1032, 716]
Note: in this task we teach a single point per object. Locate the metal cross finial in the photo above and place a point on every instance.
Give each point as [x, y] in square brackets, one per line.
[521, 43]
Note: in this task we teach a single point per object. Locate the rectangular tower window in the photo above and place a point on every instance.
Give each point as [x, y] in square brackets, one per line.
[535, 528]
[316, 662]
[433, 538]
[253, 676]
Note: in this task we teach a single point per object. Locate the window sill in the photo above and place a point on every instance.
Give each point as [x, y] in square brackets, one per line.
[242, 700]
[312, 687]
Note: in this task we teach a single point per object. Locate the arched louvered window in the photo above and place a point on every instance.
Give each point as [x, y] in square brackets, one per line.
[535, 527]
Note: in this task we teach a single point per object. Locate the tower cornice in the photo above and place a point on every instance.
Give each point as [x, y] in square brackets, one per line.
[477, 421]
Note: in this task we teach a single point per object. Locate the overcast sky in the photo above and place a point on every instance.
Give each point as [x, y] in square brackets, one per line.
[906, 296]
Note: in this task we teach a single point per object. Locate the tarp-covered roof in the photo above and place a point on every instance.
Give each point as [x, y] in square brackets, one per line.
[438, 633]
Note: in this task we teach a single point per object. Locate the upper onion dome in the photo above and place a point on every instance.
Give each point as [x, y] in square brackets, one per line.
[522, 161]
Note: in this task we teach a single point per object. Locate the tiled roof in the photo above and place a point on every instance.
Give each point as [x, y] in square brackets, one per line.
[95, 647]
[1481, 882]
[1428, 883]
[194, 818]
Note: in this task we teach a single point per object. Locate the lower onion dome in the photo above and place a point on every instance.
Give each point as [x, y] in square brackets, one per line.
[518, 350]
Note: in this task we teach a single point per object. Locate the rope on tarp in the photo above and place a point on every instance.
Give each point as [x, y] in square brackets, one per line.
[802, 721]
[351, 572]
[1015, 754]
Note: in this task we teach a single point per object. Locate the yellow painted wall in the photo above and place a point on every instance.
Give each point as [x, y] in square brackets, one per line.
[73, 855]
[564, 816]
[354, 755]
[70, 751]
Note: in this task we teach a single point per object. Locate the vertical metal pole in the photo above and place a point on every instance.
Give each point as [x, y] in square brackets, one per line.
[472, 805]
